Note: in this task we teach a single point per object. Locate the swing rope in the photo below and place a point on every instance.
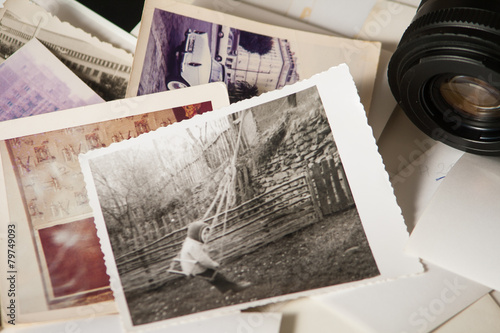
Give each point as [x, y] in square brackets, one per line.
[228, 194]
[225, 194]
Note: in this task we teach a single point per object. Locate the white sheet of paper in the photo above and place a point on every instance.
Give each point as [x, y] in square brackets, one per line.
[416, 300]
[496, 296]
[481, 317]
[459, 229]
[402, 143]
[254, 322]
[386, 23]
[306, 314]
[345, 17]
[79, 16]
[415, 185]
[415, 304]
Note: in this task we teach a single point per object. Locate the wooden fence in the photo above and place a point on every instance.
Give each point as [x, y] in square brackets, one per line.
[286, 208]
[330, 187]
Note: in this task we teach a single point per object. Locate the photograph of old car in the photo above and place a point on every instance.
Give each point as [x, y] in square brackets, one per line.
[195, 63]
[184, 51]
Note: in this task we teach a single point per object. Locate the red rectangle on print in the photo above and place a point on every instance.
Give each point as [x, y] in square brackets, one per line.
[189, 111]
[74, 258]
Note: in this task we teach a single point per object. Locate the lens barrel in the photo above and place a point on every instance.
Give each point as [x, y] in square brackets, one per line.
[445, 73]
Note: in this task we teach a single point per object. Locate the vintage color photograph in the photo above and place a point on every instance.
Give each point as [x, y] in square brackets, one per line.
[56, 204]
[61, 266]
[68, 248]
[250, 206]
[184, 51]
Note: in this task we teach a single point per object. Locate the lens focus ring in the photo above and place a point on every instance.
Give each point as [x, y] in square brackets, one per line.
[452, 18]
[450, 40]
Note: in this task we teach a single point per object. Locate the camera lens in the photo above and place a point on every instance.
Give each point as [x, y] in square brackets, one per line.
[445, 73]
[471, 97]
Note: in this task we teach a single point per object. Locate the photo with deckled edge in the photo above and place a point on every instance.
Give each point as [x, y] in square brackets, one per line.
[262, 193]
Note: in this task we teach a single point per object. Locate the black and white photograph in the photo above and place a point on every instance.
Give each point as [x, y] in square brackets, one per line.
[266, 200]
[247, 207]
[184, 51]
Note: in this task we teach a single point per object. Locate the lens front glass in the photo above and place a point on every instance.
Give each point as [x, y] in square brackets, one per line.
[471, 97]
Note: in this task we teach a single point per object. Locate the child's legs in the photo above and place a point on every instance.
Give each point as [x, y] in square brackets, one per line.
[219, 281]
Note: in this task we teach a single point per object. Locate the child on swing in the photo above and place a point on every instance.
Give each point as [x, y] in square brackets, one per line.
[195, 260]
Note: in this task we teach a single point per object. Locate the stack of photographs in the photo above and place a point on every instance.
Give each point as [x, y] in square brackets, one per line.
[228, 165]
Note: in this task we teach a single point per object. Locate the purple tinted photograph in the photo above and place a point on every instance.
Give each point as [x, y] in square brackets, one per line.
[33, 81]
[183, 52]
